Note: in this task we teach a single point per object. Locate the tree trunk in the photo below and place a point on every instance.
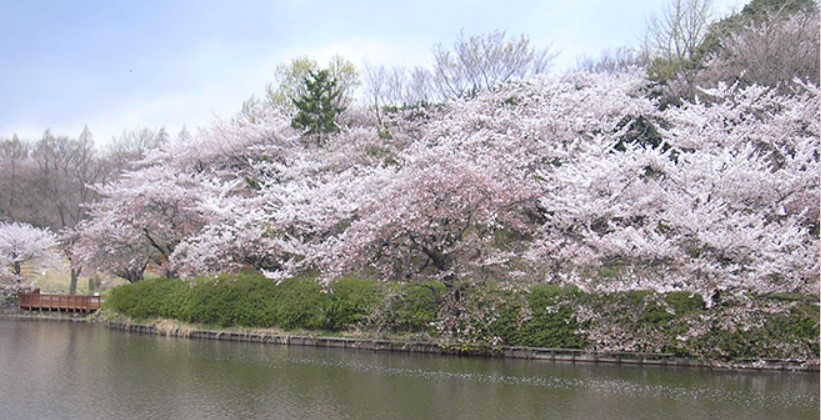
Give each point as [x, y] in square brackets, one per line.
[75, 277]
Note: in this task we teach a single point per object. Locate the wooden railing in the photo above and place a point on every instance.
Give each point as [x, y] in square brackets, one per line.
[62, 303]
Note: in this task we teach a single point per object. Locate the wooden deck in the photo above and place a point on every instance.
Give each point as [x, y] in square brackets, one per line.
[36, 301]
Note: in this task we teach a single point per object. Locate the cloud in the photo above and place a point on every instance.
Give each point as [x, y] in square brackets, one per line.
[370, 51]
[182, 74]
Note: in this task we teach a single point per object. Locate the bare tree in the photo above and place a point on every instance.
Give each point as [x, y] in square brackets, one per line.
[679, 30]
[770, 52]
[673, 39]
[375, 88]
[475, 64]
[47, 184]
[13, 166]
[616, 61]
[482, 62]
[66, 170]
[396, 87]
[131, 146]
[419, 87]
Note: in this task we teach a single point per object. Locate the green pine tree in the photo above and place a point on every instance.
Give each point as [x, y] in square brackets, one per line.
[319, 107]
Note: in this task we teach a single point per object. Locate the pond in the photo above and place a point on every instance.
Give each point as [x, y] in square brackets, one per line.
[79, 370]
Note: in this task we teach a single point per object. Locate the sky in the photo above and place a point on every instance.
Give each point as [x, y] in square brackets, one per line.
[118, 65]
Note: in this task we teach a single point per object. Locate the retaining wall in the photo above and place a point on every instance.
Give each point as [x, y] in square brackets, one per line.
[527, 353]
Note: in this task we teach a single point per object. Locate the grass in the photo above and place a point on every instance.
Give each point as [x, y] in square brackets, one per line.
[58, 279]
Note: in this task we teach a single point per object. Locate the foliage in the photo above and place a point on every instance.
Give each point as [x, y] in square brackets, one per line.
[252, 300]
[683, 303]
[318, 108]
[545, 316]
[769, 42]
[215, 302]
[289, 82]
[23, 245]
[151, 298]
[581, 180]
[790, 334]
[351, 301]
[300, 304]
[552, 323]
[542, 317]
[411, 307]
[774, 50]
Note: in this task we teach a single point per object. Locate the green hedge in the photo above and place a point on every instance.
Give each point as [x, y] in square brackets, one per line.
[244, 300]
[544, 316]
[350, 301]
[410, 307]
[251, 300]
[151, 298]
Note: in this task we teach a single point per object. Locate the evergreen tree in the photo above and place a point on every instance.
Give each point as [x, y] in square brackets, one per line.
[319, 106]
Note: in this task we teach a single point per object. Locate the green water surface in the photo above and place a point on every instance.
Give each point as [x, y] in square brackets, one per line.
[65, 370]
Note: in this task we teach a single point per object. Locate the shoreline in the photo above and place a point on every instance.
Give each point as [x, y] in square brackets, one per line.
[429, 347]
[506, 352]
[45, 316]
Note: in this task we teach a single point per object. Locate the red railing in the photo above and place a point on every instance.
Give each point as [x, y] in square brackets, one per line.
[62, 303]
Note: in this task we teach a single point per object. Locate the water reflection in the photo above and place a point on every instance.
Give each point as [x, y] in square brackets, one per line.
[61, 370]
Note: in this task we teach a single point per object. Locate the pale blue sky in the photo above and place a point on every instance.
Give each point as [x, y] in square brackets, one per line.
[118, 65]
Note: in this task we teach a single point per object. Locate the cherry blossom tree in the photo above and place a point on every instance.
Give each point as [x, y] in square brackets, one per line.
[108, 244]
[235, 237]
[24, 245]
[770, 52]
[193, 205]
[240, 231]
[728, 202]
[438, 207]
[579, 178]
[435, 212]
[149, 211]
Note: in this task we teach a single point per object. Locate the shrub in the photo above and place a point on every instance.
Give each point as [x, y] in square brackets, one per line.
[350, 302]
[792, 334]
[684, 303]
[299, 304]
[410, 307]
[256, 299]
[149, 298]
[542, 317]
[552, 323]
[212, 301]
[248, 300]
[512, 312]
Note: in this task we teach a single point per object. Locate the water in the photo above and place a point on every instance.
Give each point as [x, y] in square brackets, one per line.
[68, 370]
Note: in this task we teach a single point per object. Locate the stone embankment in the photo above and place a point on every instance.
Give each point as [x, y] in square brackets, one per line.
[527, 353]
